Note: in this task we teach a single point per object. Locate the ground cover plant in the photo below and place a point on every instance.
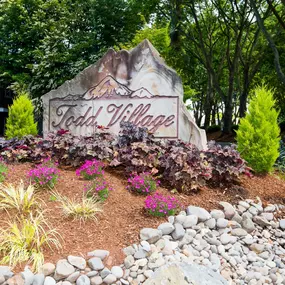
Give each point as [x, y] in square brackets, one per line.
[97, 188]
[143, 183]
[185, 168]
[3, 170]
[44, 175]
[90, 169]
[159, 205]
[226, 163]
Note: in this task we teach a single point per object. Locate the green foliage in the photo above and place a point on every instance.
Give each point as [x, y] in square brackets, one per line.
[43, 43]
[258, 133]
[157, 36]
[20, 120]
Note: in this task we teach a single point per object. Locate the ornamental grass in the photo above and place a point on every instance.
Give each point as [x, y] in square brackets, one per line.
[23, 240]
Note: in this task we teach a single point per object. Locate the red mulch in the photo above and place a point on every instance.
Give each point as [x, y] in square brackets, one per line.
[123, 216]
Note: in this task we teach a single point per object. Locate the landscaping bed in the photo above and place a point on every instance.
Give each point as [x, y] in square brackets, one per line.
[123, 214]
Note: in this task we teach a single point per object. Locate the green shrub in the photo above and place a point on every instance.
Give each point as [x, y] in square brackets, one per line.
[258, 133]
[20, 121]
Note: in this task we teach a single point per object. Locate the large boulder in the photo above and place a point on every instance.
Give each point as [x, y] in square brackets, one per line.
[184, 274]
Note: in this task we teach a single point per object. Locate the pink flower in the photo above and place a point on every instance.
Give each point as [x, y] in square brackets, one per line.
[43, 175]
[142, 183]
[91, 169]
[159, 205]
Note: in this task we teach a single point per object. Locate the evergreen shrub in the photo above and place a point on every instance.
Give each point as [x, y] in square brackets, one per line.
[258, 133]
[20, 121]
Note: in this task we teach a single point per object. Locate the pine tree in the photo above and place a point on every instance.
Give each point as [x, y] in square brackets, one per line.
[20, 121]
[258, 133]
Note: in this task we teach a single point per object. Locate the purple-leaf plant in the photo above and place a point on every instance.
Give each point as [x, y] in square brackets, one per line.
[226, 163]
[159, 205]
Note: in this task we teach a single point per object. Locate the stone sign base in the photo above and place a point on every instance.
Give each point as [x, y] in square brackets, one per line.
[133, 86]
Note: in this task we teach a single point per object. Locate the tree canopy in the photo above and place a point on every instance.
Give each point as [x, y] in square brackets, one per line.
[221, 49]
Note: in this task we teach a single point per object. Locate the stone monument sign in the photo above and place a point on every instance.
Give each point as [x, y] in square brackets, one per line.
[135, 86]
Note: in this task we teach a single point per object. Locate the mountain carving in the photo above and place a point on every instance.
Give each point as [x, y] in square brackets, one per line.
[110, 88]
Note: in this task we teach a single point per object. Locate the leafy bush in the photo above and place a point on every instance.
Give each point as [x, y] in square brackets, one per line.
[98, 188]
[130, 133]
[180, 165]
[20, 121]
[142, 183]
[61, 146]
[138, 157]
[90, 169]
[44, 175]
[28, 148]
[159, 205]
[226, 163]
[71, 150]
[3, 170]
[18, 198]
[23, 240]
[184, 167]
[86, 209]
[258, 133]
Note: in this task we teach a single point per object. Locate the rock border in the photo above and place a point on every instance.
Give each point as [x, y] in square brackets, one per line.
[244, 244]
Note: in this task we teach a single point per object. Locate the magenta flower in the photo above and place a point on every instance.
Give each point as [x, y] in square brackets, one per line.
[160, 205]
[91, 169]
[43, 175]
[142, 183]
[98, 188]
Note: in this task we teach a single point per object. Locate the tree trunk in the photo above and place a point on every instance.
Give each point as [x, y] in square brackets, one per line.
[213, 121]
[242, 104]
[270, 41]
[244, 94]
[218, 115]
[208, 102]
[228, 114]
